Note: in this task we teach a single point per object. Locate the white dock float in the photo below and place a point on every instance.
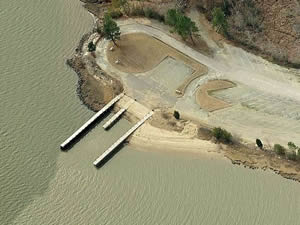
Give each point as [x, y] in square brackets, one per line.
[91, 120]
[121, 139]
[117, 115]
[112, 119]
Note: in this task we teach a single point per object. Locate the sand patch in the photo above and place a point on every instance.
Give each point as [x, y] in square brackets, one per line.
[208, 102]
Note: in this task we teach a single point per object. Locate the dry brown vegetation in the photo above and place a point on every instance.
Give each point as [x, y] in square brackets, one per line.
[139, 53]
[208, 102]
[270, 28]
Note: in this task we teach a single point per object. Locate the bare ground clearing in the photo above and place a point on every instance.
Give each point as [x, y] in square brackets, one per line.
[139, 53]
[208, 102]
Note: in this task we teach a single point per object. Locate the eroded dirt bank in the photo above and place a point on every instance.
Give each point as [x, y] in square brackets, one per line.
[95, 87]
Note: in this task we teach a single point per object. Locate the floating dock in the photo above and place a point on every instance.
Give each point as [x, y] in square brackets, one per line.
[121, 139]
[117, 115]
[90, 121]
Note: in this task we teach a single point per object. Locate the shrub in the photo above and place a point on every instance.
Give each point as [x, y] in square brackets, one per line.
[280, 150]
[222, 135]
[137, 11]
[292, 146]
[99, 30]
[259, 143]
[219, 20]
[291, 156]
[298, 155]
[91, 47]
[172, 17]
[116, 14]
[182, 24]
[149, 12]
[152, 14]
[176, 115]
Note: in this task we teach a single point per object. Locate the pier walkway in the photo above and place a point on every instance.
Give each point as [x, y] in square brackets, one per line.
[121, 139]
[117, 115]
[90, 121]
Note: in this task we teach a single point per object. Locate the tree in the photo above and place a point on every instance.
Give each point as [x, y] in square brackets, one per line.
[183, 25]
[292, 146]
[176, 115]
[259, 143]
[219, 20]
[172, 16]
[111, 31]
[186, 27]
[222, 135]
[280, 150]
[91, 47]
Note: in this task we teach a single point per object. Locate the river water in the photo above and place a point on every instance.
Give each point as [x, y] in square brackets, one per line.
[39, 184]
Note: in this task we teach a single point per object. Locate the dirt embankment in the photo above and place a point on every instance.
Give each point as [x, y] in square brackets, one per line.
[270, 28]
[254, 158]
[95, 87]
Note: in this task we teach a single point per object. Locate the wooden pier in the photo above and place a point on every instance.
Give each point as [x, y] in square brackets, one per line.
[121, 139]
[90, 121]
[117, 115]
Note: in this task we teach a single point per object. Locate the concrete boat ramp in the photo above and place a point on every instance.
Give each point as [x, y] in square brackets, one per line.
[109, 123]
[105, 154]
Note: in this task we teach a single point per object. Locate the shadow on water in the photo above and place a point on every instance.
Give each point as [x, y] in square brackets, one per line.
[86, 130]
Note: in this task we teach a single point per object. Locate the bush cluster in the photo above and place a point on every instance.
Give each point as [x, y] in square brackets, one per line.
[279, 149]
[148, 12]
[115, 14]
[292, 154]
[222, 135]
[137, 11]
[182, 24]
[152, 14]
[91, 47]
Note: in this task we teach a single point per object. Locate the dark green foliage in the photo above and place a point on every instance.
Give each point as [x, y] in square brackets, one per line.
[111, 31]
[116, 14]
[171, 18]
[182, 24]
[280, 150]
[259, 143]
[185, 27]
[291, 156]
[91, 47]
[222, 135]
[226, 8]
[152, 14]
[219, 20]
[292, 146]
[176, 115]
